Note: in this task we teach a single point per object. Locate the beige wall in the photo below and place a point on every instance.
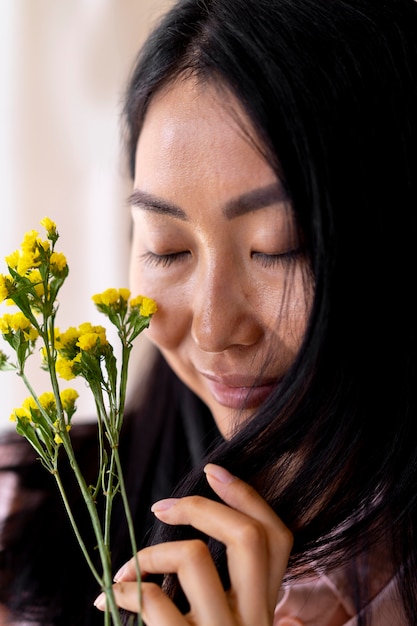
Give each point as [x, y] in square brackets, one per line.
[63, 67]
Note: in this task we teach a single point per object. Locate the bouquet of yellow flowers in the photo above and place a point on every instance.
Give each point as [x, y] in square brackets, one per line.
[36, 273]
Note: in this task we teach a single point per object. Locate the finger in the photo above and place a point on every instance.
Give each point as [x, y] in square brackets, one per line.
[240, 496]
[244, 498]
[197, 574]
[259, 543]
[156, 608]
[246, 548]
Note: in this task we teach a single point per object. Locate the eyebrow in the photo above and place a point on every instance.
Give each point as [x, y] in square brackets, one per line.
[247, 202]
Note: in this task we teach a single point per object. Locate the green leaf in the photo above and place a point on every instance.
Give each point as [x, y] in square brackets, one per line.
[5, 365]
[26, 430]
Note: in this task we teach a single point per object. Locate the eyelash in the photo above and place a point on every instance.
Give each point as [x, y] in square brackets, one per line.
[271, 260]
[163, 260]
[267, 260]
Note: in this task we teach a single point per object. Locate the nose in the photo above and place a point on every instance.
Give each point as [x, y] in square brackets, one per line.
[224, 316]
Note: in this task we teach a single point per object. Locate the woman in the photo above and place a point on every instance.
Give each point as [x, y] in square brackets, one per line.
[273, 148]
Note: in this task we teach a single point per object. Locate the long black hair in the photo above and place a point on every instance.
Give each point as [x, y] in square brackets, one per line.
[330, 87]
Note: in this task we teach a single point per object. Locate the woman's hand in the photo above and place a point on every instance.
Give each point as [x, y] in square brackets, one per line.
[258, 545]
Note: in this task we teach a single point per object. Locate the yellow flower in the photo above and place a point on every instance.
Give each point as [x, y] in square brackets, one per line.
[29, 241]
[15, 322]
[147, 306]
[13, 259]
[7, 323]
[97, 298]
[29, 404]
[112, 297]
[70, 336]
[58, 262]
[108, 297]
[27, 261]
[86, 329]
[4, 324]
[67, 340]
[31, 334]
[35, 277]
[65, 368]
[29, 410]
[88, 341]
[6, 286]
[68, 398]
[25, 411]
[43, 243]
[47, 401]
[124, 294]
[28, 257]
[73, 340]
[19, 321]
[48, 225]
[20, 413]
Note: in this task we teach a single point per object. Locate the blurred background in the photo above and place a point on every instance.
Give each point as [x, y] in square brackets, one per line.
[64, 65]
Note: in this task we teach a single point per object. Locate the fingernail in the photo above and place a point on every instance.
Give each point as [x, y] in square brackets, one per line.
[100, 602]
[219, 473]
[120, 573]
[163, 505]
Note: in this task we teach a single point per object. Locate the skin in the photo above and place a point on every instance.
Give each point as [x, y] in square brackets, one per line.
[257, 542]
[215, 245]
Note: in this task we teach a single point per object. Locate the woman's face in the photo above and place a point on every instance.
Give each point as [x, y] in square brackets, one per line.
[215, 246]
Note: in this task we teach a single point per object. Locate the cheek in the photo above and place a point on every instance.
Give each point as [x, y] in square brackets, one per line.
[291, 316]
[170, 324]
[168, 329]
[297, 319]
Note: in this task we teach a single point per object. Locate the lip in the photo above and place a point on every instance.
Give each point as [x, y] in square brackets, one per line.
[239, 392]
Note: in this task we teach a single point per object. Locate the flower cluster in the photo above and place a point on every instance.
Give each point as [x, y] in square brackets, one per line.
[72, 345]
[31, 414]
[36, 273]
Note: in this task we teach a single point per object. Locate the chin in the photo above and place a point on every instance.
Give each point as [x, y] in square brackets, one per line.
[229, 420]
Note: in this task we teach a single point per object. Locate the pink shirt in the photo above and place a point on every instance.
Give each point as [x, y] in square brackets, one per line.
[325, 601]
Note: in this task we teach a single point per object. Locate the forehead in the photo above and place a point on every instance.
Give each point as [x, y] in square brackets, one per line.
[189, 99]
[197, 131]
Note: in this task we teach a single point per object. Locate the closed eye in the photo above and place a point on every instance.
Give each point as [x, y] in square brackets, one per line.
[273, 260]
[164, 260]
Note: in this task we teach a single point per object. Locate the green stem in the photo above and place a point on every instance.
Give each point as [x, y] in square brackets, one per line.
[75, 527]
[101, 451]
[29, 387]
[107, 581]
[109, 501]
[126, 350]
[130, 525]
